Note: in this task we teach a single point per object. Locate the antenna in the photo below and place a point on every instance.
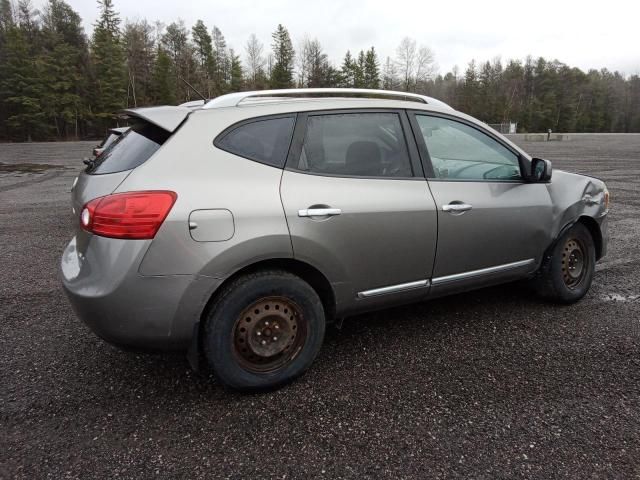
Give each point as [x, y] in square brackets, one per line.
[194, 89]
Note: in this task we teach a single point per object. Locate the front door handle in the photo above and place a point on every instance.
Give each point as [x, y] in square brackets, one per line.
[456, 207]
[319, 212]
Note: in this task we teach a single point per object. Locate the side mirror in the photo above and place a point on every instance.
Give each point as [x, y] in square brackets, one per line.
[540, 170]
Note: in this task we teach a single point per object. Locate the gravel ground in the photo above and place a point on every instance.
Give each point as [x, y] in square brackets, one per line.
[490, 384]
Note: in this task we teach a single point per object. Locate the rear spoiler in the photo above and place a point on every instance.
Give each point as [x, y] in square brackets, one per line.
[167, 118]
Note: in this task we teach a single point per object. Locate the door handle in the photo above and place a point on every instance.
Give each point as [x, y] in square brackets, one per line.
[319, 212]
[456, 207]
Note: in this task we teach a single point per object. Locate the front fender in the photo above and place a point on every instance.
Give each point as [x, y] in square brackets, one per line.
[578, 198]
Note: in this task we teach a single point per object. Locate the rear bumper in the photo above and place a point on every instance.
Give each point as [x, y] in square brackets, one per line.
[125, 308]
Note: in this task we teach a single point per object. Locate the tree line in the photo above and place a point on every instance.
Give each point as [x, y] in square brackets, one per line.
[57, 83]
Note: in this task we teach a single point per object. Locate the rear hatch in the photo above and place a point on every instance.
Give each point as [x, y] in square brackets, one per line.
[150, 129]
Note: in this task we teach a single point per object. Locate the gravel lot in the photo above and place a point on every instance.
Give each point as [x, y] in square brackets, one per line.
[490, 384]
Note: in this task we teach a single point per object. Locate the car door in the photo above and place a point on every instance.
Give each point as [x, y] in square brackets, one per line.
[492, 225]
[358, 206]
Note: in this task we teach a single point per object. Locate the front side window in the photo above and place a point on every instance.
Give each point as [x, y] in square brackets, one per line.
[355, 144]
[265, 141]
[461, 152]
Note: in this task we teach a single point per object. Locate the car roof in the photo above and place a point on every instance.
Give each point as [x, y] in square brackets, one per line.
[170, 117]
[307, 94]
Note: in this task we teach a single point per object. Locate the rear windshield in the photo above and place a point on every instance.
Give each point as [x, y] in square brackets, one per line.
[108, 141]
[130, 150]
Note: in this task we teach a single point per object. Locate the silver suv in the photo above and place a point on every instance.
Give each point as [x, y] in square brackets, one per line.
[237, 229]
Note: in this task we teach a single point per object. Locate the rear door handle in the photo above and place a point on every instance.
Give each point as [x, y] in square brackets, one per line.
[319, 212]
[456, 207]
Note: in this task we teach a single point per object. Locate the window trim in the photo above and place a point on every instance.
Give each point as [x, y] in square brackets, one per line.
[301, 129]
[426, 157]
[247, 121]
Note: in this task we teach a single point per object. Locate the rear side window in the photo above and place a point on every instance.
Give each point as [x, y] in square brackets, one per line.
[265, 141]
[355, 144]
[132, 149]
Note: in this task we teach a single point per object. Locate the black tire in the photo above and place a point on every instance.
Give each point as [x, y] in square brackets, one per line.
[567, 272]
[282, 301]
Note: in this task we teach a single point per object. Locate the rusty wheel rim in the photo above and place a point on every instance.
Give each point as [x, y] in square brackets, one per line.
[269, 334]
[573, 262]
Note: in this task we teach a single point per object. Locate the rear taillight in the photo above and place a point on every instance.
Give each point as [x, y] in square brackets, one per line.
[132, 215]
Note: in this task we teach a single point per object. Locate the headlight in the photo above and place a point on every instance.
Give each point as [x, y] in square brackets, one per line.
[606, 197]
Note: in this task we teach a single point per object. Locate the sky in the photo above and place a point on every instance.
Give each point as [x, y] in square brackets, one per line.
[586, 34]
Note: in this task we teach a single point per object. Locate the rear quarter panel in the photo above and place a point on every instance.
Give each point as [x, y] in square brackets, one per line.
[205, 177]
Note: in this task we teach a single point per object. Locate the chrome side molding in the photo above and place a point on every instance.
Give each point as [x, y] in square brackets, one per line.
[394, 289]
[483, 271]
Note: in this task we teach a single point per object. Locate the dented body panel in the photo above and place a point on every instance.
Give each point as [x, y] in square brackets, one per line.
[576, 196]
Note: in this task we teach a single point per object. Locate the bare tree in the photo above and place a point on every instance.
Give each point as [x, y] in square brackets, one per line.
[425, 67]
[317, 65]
[406, 61]
[389, 75]
[139, 44]
[255, 61]
[302, 62]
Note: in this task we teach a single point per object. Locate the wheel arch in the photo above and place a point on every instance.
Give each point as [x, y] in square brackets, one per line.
[594, 230]
[305, 271]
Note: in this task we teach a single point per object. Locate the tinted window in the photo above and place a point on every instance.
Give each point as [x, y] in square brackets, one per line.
[355, 144]
[461, 152]
[131, 150]
[265, 141]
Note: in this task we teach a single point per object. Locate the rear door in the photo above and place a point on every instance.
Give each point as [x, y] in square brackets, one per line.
[358, 206]
[492, 225]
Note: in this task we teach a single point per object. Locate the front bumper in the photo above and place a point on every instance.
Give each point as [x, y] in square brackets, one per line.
[603, 223]
[100, 277]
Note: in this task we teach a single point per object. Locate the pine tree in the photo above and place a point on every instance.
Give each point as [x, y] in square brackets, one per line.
[6, 23]
[348, 71]
[371, 69]
[108, 62]
[204, 53]
[222, 64]
[236, 81]
[359, 66]
[64, 56]
[163, 84]
[283, 53]
[21, 89]
[470, 89]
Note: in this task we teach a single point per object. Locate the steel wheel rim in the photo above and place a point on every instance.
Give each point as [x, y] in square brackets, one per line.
[574, 262]
[269, 334]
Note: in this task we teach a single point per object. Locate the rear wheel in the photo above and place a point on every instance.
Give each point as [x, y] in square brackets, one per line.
[567, 273]
[264, 330]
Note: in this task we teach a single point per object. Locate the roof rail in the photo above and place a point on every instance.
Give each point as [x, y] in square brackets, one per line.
[235, 99]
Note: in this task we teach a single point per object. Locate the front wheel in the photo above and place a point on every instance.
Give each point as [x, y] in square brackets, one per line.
[566, 274]
[264, 330]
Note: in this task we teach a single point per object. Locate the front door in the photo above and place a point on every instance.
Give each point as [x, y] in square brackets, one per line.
[492, 225]
[358, 209]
